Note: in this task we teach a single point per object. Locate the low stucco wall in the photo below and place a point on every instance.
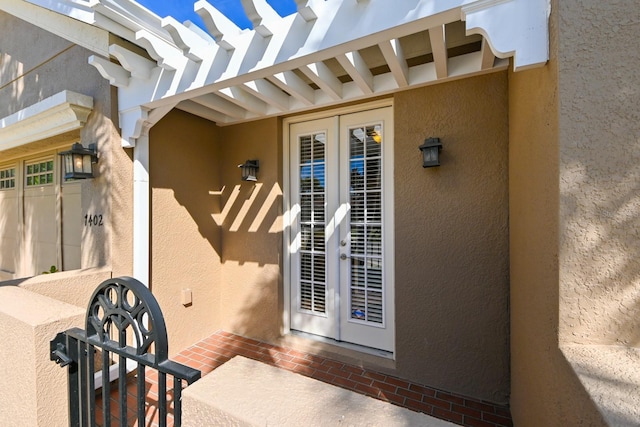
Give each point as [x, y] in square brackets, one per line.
[70, 287]
[244, 392]
[34, 391]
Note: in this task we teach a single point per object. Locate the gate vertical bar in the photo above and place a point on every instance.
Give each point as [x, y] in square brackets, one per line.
[122, 364]
[122, 389]
[140, 395]
[84, 386]
[74, 382]
[177, 400]
[91, 385]
[162, 398]
[106, 389]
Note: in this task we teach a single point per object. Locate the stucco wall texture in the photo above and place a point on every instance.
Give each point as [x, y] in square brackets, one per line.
[212, 233]
[574, 132]
[186, 243]
[599, 187]
[34, 391]
[37, 64]
[251, 293]
[452, 275]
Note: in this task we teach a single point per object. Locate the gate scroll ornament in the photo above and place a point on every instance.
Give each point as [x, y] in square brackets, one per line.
[124, 322]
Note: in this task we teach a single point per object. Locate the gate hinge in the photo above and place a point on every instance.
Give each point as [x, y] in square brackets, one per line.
[59, 350]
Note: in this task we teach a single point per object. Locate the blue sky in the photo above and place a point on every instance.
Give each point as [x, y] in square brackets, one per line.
[182, 10]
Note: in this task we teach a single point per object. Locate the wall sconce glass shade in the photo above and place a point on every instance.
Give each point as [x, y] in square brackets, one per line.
[431, 152]
[250, 170]
[78, 161]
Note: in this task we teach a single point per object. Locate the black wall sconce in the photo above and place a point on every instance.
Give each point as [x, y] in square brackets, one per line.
[250, 170]
[431, 152]
[79, 160]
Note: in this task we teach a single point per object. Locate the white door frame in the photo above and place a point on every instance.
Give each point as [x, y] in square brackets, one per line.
[286, 200]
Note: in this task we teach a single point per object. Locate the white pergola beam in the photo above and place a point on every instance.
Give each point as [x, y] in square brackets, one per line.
[167, 56]
[394, 57]
[357, 68]
[138, 66]
[295, 86]
[518, 28]
[193, 46]
[243, 99]
[206, 113]
[269, 93]
[114, 73]
[217, 24]
[260, 13]
[305, 10]
[439, 49]
[322, 76]
[217, 103]
[488, 58]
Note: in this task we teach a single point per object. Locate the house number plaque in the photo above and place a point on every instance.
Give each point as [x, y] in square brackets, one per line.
[94, 220]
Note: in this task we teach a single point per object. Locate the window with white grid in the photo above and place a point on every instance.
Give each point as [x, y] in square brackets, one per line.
[39, 173]
[7, 178]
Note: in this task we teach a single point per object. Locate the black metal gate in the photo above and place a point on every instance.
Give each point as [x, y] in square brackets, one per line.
[123, 323]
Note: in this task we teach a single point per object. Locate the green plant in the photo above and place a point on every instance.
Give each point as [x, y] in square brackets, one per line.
[53, 269]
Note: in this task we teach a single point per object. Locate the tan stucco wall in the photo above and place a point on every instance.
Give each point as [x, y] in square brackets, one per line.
[71, 287]
[251, 293]
[599, 121]
[34, 391]
[452, 277]
[186, 242]
[544, 390]
[573, 202]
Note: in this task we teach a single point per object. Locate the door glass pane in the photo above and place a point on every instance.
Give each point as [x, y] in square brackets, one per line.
[313, 286]
[365, 219]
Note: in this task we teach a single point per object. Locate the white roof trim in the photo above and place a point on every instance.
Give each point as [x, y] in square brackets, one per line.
[63, 112]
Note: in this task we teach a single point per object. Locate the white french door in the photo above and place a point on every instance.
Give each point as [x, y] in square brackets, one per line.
[341, 240]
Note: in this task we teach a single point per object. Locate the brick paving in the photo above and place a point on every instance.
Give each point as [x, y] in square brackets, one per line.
[217, 349]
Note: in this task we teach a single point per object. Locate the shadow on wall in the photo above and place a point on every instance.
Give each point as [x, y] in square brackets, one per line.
[217, 205]
[104, 195]
[29, 55]
[249, 210]
[600, 297]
